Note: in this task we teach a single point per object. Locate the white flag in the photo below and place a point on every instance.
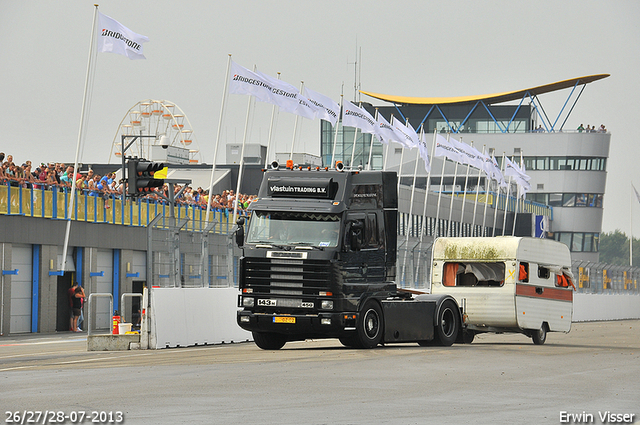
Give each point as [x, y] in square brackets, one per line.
[512, 169]
[446, 149]
[469, 154]
[306, 108]
[385, 131]
[499, 177]
[116, 38]
[424, 152]
[407, 135]
[283, 94]
[353, 116]
[636, 192]
[248, 82]
[329, 110]
[490, 166]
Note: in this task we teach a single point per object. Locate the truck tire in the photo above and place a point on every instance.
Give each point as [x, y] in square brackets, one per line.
[539, 336]
[349, 341]
[447, 323]
[465, 336]
[269, 341]
[370, 324]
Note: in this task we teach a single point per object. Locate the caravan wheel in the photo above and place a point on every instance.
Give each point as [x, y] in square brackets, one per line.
[539, 336]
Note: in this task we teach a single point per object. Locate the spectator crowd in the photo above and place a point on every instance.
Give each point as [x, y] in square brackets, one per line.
[58, 176]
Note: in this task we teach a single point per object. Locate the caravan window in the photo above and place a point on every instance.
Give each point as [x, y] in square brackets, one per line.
[543, 272]
[473, 274]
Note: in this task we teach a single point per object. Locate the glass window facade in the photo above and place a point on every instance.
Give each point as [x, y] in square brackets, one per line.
[593, 200]
[553, 163]
[579, 241]
[344, 146]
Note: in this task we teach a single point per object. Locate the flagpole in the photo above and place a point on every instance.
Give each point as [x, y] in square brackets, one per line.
[495, 211]
[631, 230]
[506, 204]
[273, 119]
[386, 154]
[295, 125]
[244, 142]
[444, 162]
[353, 147]
[464, 193]
[475, 205]
[413, 190]
[215, 150]
[335, 136]
[371, 146]
[426, 194]
[80, 132]
[515, 215]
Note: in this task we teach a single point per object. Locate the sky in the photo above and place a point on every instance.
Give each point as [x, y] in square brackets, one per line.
[412, 48]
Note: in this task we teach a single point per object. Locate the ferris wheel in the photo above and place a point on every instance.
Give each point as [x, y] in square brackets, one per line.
[160, 122]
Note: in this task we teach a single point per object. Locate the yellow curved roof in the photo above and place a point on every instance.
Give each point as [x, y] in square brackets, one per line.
[487, 98]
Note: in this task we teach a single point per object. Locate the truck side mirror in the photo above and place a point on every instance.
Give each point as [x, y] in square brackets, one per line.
[240, 232]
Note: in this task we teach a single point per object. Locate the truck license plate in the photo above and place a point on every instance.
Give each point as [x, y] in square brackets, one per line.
[284, 320]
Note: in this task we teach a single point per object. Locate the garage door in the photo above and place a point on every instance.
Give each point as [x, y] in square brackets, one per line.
[22, 259]
[104, 285]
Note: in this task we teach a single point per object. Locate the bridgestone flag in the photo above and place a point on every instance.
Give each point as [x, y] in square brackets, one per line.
[248, 82]
[116, 38]
[407, 135]
[424, 152]
[446, 149]
[513, 170]
[328, 109]
[353, 116]
[385, 132]
[469, 154]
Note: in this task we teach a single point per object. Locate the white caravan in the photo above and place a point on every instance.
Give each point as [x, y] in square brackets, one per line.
[506, 284]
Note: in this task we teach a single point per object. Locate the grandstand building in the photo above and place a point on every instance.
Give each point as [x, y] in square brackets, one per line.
[567, 166]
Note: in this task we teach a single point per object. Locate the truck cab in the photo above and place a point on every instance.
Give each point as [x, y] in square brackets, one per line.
[319, 248]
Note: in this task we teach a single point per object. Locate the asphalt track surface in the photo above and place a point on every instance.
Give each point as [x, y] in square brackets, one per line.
[498, 379]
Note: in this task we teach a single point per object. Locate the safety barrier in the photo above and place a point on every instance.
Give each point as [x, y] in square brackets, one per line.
[54, 204]
[91, 313]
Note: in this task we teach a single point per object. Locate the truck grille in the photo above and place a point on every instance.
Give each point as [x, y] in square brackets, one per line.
[280, 276]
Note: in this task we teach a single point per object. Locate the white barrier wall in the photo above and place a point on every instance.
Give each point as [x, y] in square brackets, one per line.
[590, 307]
[195, 316]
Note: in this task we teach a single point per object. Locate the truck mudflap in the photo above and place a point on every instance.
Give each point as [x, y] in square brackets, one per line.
[297, 327]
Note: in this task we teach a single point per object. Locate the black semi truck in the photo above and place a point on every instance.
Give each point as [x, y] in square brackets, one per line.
[319, 261]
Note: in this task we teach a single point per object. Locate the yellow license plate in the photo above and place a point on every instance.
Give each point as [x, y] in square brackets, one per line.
[284, 320]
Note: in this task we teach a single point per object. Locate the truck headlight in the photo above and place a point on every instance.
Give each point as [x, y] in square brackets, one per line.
[244, 319]
[326, 305]
[247, 302]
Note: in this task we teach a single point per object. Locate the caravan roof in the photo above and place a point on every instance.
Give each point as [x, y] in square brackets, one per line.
[500, 248]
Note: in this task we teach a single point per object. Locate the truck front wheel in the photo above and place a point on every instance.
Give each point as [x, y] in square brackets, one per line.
[269, 341]
[370, 325]
[447, 323]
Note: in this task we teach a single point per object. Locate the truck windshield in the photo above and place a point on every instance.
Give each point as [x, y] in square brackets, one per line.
[294, 228]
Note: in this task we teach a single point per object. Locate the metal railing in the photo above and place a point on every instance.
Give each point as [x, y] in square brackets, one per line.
[91, 313]
[89, 207]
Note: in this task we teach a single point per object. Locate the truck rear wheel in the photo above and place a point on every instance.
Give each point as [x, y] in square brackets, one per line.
[269, 341]
[370, 325]
[447, 323]
[539, 336]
